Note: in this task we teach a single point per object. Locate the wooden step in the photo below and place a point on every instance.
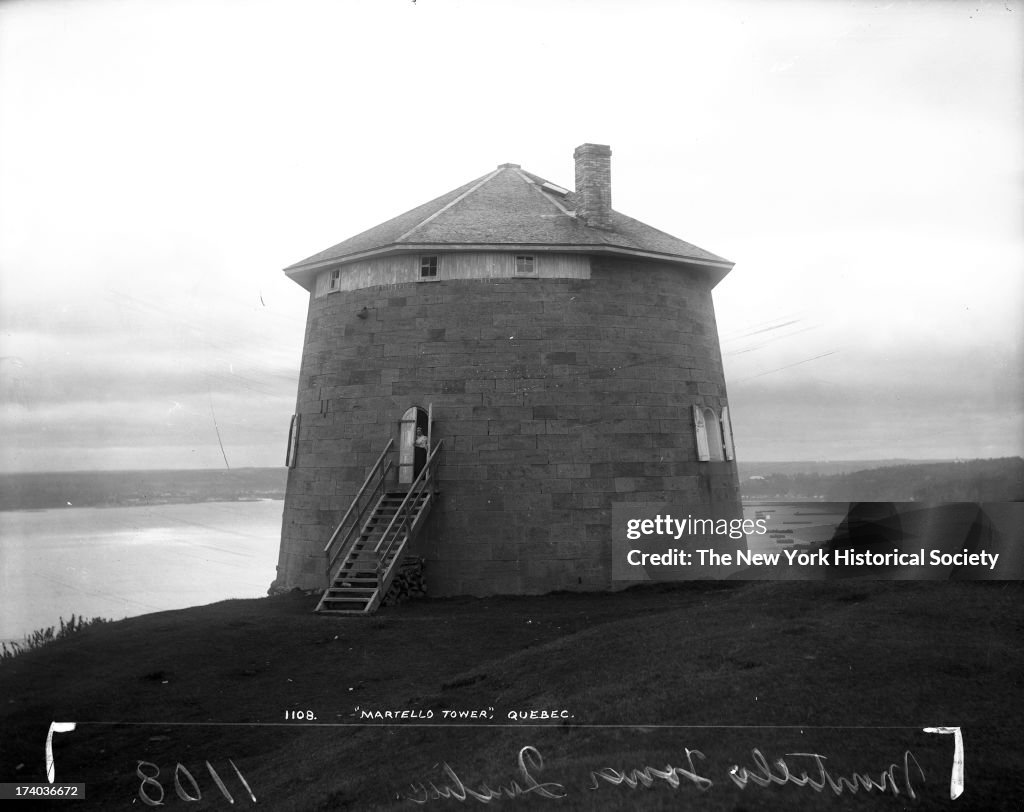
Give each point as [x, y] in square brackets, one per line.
[357, 586]
[351, 610]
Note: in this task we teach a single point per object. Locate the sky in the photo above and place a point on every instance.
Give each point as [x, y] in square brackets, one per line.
[161, 161]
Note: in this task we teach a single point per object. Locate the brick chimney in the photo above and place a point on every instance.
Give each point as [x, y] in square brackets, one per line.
[594, 184]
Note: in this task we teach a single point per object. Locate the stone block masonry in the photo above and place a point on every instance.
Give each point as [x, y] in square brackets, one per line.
[554, 397]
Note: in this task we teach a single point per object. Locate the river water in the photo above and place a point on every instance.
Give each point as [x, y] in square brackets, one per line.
[117, 562]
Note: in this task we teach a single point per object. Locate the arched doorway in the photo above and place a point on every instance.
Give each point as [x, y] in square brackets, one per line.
[412, 456]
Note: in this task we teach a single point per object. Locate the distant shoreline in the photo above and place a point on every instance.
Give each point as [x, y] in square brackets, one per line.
[988, 480]
[147, 503]
[50, 491]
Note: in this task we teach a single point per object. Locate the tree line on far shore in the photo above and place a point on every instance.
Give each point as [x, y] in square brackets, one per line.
[993, 480]
[42, 491]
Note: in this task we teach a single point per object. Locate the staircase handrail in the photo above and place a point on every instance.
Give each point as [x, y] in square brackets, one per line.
[417, 486]
[348, 539]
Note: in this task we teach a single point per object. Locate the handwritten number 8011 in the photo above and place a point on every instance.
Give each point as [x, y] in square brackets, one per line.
[151, 791]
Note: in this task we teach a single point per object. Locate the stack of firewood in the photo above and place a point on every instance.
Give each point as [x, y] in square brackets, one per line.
[408, 582]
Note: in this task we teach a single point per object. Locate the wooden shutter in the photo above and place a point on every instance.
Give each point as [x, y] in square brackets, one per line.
[730, 452]
[700, 429]
[407, 445]
[430, 430]
[291, 455]
[430, 427]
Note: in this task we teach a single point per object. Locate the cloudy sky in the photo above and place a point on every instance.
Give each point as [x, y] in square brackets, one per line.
[161, 162]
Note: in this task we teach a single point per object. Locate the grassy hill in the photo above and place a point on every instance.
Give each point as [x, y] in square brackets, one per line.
[851, 670]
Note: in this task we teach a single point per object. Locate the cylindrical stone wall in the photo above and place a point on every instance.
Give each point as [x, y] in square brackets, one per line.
[555, 398]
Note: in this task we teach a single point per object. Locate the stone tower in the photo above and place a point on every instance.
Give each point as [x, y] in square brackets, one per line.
[566, 355]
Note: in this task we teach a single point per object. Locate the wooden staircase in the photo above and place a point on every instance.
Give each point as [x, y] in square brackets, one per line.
[361, 565]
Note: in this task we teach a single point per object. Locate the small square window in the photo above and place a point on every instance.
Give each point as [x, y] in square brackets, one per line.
[525, 265]
[428, 267]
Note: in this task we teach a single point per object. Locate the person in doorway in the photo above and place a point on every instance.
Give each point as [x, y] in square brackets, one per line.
[419, 453]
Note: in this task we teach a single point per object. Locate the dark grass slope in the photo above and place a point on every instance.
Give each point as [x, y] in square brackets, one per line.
[645, 674]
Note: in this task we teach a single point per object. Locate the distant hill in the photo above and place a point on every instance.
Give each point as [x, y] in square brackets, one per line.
[39, 491]
[824, 467]
[996, 480]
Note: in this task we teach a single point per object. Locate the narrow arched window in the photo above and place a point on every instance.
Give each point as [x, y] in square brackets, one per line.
[716, 452]
[700, 432]
[708, 431]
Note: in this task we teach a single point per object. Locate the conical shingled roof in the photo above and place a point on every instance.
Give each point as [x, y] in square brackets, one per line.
[509, 208]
